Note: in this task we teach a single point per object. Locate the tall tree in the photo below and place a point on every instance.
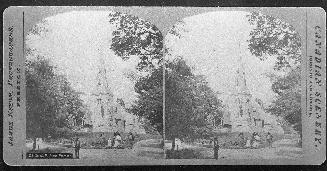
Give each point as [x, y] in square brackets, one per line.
[273, 37]
[39, 113]
[150, 99]
[288, 102]
[50, 101]
[134, 36]
[189, 102]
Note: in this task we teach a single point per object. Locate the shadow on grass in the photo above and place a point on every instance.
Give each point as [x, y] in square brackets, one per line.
[151, 154]
[184, 154]
[153, 144]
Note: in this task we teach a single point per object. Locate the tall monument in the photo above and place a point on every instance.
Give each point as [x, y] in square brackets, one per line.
[108, 112]
[245, 112]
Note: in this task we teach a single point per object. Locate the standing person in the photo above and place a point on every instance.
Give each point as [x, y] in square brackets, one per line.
[252, 139]
[113, 140]
[248, 143]
[131, 139]
[109, 142]
[102, 140]
[77, 147]
[215, 148]
[241, 140]
[269, 139]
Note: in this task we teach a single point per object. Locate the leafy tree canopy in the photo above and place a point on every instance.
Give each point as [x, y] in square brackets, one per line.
[51, 103]
[189, 102]
[150, 99]
[134, 36]
[272, 36]
[288, 102]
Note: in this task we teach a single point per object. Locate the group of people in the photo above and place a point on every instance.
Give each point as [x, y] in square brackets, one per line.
[117, 142]
[254, 141]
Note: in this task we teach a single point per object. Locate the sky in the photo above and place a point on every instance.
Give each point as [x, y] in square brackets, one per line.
[77, 44]
[212, 45]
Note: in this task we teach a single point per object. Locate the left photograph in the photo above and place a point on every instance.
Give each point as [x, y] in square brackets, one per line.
[94, 84]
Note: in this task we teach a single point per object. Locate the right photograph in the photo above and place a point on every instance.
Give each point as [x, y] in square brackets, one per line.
[232, 88]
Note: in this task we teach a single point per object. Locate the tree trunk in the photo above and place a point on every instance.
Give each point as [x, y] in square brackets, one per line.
[162, 144]
[34, 143]
[173, 144]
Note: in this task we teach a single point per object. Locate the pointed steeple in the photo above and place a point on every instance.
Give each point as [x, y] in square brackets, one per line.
[102, 93]
[102, 87]
[247, 113]
[241, 83]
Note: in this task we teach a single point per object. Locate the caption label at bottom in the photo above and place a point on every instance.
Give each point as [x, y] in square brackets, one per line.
[49, 155]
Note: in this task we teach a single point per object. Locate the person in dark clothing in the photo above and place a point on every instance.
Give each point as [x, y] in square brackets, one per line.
[113, 139]
[241, 140]
[269, 139]
[102, 140]
[215, 148]
[131, 139]
[77, 147]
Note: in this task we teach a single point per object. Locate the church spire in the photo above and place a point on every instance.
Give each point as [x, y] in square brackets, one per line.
[241, 83]
[102, 87]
